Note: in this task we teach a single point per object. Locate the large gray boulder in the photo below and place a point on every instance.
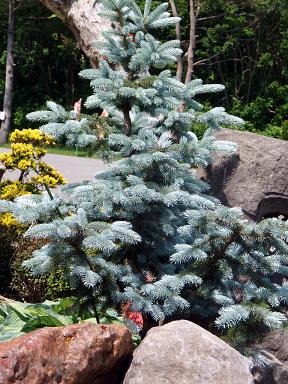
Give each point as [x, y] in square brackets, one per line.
[255, 179]
[181, 352]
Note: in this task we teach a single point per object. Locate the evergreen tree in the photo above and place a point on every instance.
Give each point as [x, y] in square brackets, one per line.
[145, 233]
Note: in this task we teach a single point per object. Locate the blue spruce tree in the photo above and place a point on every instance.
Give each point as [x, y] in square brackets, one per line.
[145, 231]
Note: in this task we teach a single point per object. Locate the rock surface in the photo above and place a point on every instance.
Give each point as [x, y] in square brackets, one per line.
[181, 352]
[76, 354]
[274, 348]
[254, 179]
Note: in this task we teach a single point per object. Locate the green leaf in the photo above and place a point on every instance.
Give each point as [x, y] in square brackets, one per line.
[9, 332]
[31, 325]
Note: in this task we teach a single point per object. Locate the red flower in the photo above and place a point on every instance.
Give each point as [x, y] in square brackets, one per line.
[77, 106]
[104, 114]
[136, 317]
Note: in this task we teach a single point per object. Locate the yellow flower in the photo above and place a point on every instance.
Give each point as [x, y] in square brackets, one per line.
[9, 190]
[7, 220]
[32, 136]
[27, 150]
[23, 165]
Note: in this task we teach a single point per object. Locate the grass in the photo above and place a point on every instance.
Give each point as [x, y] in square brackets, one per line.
[67, 152]
[60, 151]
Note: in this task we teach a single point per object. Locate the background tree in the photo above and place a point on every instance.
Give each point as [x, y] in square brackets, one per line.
[83, 19]
[233, 46]
[46, 61]
[230, 42]
[9, 78]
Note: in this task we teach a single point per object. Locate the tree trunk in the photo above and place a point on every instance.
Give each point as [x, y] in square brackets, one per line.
[179, 72]
[82, 18]
[192, 43]
[8, 93]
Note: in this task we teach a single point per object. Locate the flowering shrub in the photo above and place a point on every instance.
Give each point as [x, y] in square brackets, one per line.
[27, 150]
[32, 175]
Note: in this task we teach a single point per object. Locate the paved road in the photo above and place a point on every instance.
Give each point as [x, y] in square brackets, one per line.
[73, 168]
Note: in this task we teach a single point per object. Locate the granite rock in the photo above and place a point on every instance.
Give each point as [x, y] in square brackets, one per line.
[274, 348]
[255, 178]
[181, 352]
[75, 354]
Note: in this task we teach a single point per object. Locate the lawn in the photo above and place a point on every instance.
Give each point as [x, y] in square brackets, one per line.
[60, 151]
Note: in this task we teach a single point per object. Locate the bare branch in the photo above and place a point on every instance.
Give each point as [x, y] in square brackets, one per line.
[17, 4]
[211, 17]
[207, 59]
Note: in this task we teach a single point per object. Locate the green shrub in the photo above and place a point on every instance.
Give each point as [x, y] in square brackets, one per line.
[18, 318]
[7, 237]
[31, 288]
[279, 132]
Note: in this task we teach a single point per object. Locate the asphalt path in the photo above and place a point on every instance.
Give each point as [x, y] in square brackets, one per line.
[74, 169]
